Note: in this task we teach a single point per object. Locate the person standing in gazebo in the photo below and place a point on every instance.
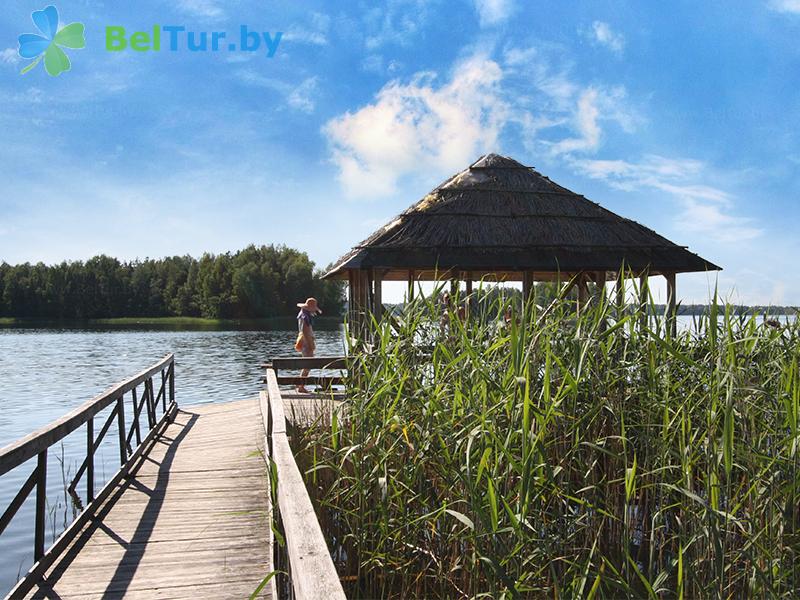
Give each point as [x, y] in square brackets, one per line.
[306, 344]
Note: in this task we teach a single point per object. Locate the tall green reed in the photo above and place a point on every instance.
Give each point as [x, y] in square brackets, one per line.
[563, 455]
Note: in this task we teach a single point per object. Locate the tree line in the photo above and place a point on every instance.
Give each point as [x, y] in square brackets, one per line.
[257, 282]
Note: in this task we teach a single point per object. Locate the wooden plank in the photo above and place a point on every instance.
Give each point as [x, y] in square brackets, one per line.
[18, 452]
[317, 362]
[187, 530]
[321, 381]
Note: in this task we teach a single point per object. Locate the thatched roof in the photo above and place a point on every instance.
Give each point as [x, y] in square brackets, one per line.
[499, 216]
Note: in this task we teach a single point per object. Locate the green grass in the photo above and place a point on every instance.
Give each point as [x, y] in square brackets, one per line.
[564, 457]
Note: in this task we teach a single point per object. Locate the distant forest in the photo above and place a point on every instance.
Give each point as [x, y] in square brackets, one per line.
[257, 282]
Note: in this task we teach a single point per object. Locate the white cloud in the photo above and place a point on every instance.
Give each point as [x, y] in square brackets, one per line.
[314, 33]
[593, 105]
[602, 34]
[418, 126]
[9, 56]
[303, 97]
[209, 9]
[492, 12]
[394, 22]
[547, 97]
[710, 219]
[586, 118]
[705, 209]
[300, 96]
[786, 6]
[375, 63]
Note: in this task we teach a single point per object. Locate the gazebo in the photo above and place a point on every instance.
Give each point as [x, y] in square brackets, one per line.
[501, 220]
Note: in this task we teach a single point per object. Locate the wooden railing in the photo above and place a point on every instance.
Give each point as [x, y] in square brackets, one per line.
[297, 363]
[37, 444]
[304, 557]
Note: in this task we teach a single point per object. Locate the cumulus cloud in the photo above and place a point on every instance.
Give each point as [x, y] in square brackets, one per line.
[785, 6]
[424, 124]
[492, 12]
[602, 34]
[443, 125]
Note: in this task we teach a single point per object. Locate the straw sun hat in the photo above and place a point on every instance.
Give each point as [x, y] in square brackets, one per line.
[310, 305]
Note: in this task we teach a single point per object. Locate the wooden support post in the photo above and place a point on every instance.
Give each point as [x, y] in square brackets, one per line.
[41, 505]
[90, 460]
[377, 295]
[527, 286]
[600, 281]
[583, 292]
[411, 282]
[468, 278]
[643, 300]
[620, 290]
[359, 302]
[352, 293]
[672, 316]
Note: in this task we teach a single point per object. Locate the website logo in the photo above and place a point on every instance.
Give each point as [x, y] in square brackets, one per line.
[178, 37]
[49, 44]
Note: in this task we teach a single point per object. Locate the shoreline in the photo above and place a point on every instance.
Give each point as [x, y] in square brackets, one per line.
[271, 323]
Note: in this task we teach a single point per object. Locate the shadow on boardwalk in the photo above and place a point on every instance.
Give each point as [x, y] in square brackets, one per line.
[192, 520]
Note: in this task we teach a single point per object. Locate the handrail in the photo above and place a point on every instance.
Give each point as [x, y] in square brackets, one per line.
[306, 363]
[315, 362]
[312, 572]
[16, 453]
[37, 444]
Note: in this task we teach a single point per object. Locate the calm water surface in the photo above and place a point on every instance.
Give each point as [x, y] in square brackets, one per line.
[44, 373]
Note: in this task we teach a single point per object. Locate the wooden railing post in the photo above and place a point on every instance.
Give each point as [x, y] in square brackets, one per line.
[164, 389]
[123, 444]
[172, 382]
[41, 509]
[90, 460]
[151, 405]
[136, 412]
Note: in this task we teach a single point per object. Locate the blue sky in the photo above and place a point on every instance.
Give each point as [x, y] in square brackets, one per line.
[684, 116]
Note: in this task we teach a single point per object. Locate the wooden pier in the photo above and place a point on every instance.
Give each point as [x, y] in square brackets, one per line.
[188, 515]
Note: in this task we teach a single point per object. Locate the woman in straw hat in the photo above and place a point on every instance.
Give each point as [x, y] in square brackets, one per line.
[305, 343]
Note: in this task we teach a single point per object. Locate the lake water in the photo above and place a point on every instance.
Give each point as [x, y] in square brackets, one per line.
[44, 373]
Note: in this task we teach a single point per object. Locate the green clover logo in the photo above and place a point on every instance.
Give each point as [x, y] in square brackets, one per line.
[48, 45]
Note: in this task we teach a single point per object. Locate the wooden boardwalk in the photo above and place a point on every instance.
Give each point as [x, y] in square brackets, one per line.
[192, 521]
